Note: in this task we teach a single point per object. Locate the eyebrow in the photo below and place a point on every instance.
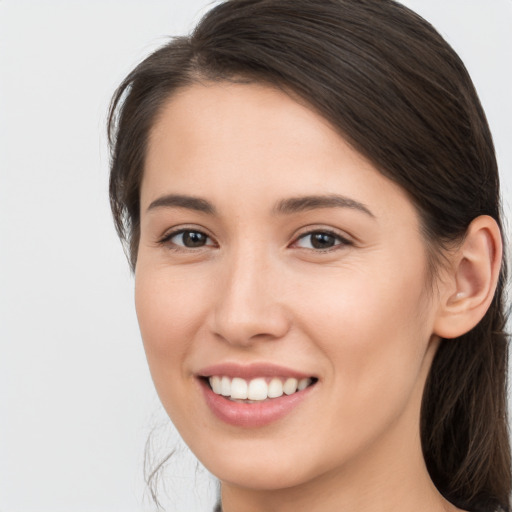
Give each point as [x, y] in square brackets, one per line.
[305, 203]
[183, 201]
[284, 207]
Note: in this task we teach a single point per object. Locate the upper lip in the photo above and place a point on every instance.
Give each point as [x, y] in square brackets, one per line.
[251, 371]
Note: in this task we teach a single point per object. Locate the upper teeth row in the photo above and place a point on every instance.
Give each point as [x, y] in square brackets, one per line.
[256, 389]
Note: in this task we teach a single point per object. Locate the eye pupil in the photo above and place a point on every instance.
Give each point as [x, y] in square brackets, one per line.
[194, 239]
[322, 240]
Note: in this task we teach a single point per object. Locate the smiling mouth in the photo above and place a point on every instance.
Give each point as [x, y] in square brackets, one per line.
[257, 390]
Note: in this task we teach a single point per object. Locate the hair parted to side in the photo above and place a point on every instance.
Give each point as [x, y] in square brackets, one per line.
[402, 97]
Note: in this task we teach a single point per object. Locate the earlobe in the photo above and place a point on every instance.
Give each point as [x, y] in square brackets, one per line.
[469, 287]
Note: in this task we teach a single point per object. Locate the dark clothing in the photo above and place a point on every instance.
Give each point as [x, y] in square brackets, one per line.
[218, 508]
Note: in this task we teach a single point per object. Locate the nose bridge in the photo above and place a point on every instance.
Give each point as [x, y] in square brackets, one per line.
[247, 306]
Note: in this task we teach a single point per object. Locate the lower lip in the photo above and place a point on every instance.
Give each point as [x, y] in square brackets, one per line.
[252, 415]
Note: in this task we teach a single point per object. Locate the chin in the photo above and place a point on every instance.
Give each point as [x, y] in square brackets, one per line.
[260, 476]
[266, 464]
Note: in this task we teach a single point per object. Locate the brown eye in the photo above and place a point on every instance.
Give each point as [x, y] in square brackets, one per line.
[320, 240]
[189, 239]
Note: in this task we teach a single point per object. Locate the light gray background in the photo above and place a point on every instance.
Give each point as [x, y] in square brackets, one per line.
[76, 399]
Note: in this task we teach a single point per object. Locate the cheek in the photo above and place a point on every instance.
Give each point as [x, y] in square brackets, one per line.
[363, 305]
[373, 330]
[170, 308]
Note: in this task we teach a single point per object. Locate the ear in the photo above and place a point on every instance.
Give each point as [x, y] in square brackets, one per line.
[468, 287]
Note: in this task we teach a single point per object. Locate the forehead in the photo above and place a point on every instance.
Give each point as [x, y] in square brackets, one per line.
[251, 141]
[239, 117]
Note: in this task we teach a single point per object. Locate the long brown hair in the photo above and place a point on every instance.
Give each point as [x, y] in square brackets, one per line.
[402, 97]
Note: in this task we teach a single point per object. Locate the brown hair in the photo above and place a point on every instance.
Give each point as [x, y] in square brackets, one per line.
[402, 97]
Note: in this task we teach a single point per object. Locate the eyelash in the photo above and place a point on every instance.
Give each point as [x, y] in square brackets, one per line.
[166, 239]
[340, 241]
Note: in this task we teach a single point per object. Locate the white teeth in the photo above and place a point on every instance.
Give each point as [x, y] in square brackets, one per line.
[239, 388]
[303, 384]
[290, 386]
[216, 385]
[275, 388]
[225, 386]
[256, 389]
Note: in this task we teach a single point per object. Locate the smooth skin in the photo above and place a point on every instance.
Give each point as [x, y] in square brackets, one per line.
[239, 277]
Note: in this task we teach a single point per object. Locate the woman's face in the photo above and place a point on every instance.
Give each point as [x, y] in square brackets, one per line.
[270, 251]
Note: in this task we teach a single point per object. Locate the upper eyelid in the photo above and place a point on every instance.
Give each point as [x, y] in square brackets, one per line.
[176, 230]
[327, 231]
[331, 231]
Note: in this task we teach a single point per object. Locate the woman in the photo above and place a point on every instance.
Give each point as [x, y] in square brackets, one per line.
[308, 194]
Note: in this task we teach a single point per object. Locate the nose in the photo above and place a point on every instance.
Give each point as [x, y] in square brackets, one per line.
[249, 306]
